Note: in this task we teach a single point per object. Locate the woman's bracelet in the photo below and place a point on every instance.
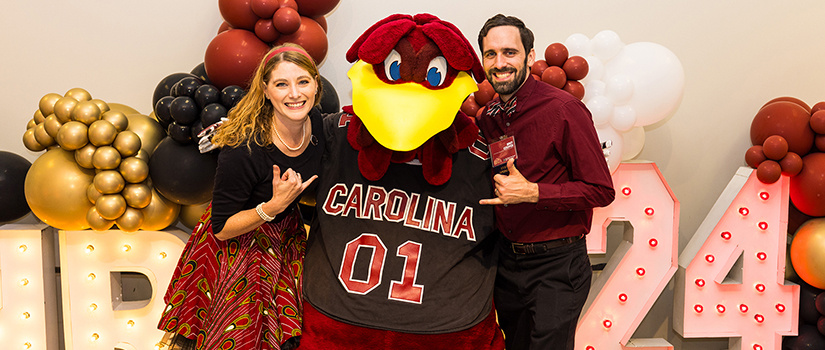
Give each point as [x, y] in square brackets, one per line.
[260, 210]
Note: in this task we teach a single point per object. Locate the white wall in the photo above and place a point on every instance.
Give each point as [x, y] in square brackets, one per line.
[736, 55]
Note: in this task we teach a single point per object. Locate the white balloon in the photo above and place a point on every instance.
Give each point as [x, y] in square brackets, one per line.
[578, 45]
[634, 141]
[606, 44]
[593, 88]
[601, 108]
[613, 154]
[657, 76]
[619, 88]
[595, 69]
[623, 118]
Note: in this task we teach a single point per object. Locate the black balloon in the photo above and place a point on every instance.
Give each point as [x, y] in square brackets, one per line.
[820, 303]
[230, 96]
[807, 304]
[200, 72]
[213, 113]
[820, 325]
[181, 173]
[184, 110]
[195, 129]
[13, 169]
[162, 112]
[329, 98]
[186, 87]
[206, 95]
[165, 85]
[809, 339]
[180, 133]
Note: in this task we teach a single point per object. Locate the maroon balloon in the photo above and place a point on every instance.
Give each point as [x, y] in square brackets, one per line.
[555, 54]
[232, 57]
[790, 99]
[818, 122]
[555, 76]
[265, 8]
[576, 68]
[818, 107]
[485, 93]
[310, 36]
[791, 164]
[312, 8]
[224, 27]
[322, 21]
[289, 3]
[786, 119]
[807, 189]
[469, 106]
[238, 13]
[768, 171]
[775, 147]
[287, 20]
[819, 142]
[754, 156]
[575, 88]
[265, 31]
[538, 67]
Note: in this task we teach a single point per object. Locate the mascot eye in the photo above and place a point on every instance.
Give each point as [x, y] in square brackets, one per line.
[392, 66]
[437, 71]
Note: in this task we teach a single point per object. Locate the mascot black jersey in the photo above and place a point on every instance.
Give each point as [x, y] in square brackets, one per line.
[399, 253]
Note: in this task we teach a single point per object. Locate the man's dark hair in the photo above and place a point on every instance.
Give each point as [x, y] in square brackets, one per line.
[502, 20]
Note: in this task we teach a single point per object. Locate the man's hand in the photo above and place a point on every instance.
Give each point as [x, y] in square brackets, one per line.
[513, 188]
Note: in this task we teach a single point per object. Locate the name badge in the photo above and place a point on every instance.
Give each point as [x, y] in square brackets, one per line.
[500, 152]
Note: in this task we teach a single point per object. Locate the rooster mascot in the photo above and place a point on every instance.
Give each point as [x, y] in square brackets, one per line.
[401, 254]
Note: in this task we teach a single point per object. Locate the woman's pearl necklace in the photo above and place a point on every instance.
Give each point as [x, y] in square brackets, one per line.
[303, 137]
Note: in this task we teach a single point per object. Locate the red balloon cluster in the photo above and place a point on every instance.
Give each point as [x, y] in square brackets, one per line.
[788, 137]
[557, 68]
[251, 27]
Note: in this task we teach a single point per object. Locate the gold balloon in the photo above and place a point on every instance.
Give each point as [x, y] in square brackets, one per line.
[102, 133]
[101, 104]
[131, 220]
[38, 117]
[134, 169]
[191, 214]
[79, 94]
[31, 142]
[52, 125]
[109, 182]
[149, 130]
[55, 190]
[137, 195]
[85, 155]
[143, 155]
[97, 222]
[64, 107]
[106, 158]
[110, 206]
[127, 143]
[86, 112]
[47, 103]
[160, 213]
[123, 108]
[42, 136]
[93, 194]
[806, 252]
[72, 136]
[31, 124]
[118, 119]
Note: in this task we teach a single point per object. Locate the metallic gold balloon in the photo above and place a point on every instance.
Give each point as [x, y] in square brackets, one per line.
[137, 195]
[806, 252]
[109, 182]
[191, 214]
[104, 107]
[79, 94]
[110, 206]
[52, 125]
[55, 190]
[149, 130]
[85, 155]
[42, 136]
[86, 112]
[143, 155]
[72, 136]
[123, 108]
[31, 142]
[106, 158]
[38, 117]
[64, 107]
[131, 220]
[97, 222]
[117, 118]
[47, 102]
[160, 213]
[92, 193]
[134, 169]
[127, 143]
[102, 133]
[31, 124]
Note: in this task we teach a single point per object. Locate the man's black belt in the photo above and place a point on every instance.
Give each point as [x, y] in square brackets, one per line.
[541, 247]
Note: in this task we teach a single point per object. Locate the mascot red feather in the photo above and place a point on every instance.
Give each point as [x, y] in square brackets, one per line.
[401, 255]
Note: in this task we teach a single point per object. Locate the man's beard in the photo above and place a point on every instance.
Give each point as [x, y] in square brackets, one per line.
[509, 87]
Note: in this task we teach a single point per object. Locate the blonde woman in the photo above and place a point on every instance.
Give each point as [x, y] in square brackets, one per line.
[238, 282]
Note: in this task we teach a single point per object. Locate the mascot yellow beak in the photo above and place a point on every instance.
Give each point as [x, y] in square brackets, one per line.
[401, 117]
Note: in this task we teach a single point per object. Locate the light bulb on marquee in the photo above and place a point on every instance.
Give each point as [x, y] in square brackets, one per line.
[744, 211]
[24, 281]
[623, 297]
[25, 315]
[759, 318]
[94, 337]
[760, 287]
[90, 248]
[91, 277]
[700, 282]
[763, 226]
[130, 324]
[640, 271]
[726, 235]
[780, 307]
[761, 256]
[709, 258]
[626, 191]
[743, 308]
[126, 248]
[22, 248]
[653, 242]
[27, 345]
[764, 195]
[698, 308]
[162, 255]
[720, 308]
[607, 324]
[92, 307]
[757, 347]
[649, 211]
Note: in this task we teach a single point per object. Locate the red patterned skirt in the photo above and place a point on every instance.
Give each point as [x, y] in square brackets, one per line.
[242, 293]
